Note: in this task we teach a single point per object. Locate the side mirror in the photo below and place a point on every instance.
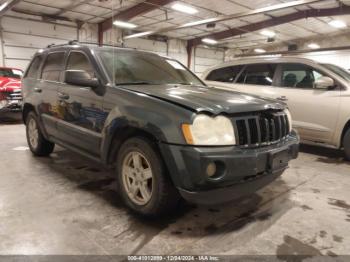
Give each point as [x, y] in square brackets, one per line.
[324, 82]
[81, 78]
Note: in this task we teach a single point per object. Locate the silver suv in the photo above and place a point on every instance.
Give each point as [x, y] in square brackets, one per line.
[318, 95]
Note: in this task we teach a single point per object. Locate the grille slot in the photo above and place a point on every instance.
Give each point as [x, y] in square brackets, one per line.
[261, 129]
[17, 95]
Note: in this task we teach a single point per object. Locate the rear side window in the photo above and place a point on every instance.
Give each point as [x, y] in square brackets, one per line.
[34, 67]
[53, 67]
[226, 74]
[79, 61]
[258, 74]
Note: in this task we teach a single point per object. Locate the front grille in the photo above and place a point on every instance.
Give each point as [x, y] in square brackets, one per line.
[261, 128]
[16, 95]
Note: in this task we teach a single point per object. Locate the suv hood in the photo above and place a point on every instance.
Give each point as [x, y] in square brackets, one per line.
[208, 99]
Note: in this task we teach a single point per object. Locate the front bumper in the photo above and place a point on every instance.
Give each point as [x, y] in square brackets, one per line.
[240, 171]
[10, 106]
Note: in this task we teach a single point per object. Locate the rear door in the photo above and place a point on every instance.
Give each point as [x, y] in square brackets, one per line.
[224, 77]
[82, 113]
[314, 111]
[46, 89]
[258, 79]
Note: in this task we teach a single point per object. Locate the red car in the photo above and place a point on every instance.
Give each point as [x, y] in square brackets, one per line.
[10, 89]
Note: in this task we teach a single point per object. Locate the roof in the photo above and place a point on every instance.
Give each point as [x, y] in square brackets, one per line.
[74, 45]
[162, 16]
[258, 60]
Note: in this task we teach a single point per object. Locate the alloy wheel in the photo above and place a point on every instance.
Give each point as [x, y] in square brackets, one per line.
[137, 178]
[33, 133]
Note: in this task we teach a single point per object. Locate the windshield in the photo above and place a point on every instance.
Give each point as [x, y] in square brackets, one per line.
[131, 68]
[338, 70]
[13, 73]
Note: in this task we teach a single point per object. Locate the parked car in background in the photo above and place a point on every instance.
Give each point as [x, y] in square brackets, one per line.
[166, 133]
[318, 95]
[10, 90]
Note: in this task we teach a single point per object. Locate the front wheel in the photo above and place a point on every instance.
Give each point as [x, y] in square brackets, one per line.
[346, 144]
[142, 180]
[36, 141]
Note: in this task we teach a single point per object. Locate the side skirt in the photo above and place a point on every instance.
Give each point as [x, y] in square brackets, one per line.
[76, 150]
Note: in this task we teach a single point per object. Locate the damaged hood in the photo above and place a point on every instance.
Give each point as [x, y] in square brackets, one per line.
[209, 99]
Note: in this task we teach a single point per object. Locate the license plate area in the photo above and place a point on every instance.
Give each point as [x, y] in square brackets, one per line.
[279, 160]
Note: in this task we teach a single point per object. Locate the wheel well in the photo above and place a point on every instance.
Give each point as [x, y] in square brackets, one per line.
[27, 108]
[122, 135]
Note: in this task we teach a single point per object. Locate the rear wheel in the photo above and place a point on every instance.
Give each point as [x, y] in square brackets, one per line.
[346, 144]
[36, 141]
[142, 179]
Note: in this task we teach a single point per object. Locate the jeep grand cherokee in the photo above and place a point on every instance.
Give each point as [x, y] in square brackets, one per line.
[166, 133]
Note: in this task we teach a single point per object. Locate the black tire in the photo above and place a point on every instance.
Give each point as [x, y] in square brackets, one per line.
[42, 147]
[346, 144]
[164, 196]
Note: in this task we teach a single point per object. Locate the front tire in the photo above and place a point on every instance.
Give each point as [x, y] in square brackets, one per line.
[36, 141]
[142, 180]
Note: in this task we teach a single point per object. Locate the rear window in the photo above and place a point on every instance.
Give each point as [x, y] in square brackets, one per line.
[226, 74]
[11, 72]
[53, 67]
[34, 67]
[258, 74]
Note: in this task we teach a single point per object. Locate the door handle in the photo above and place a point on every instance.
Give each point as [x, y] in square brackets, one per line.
[282, 98]
[63, 96]
[37, 90]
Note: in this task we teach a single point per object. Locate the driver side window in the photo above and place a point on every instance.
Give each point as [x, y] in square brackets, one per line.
[299, 76]
[79, 61]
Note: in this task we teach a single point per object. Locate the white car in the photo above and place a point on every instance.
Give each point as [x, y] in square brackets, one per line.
[318, 95]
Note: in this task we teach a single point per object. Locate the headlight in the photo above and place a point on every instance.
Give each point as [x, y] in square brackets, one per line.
[3, 103]
[209, 131]
[289, 116]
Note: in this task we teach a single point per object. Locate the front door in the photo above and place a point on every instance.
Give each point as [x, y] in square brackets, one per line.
[83, 116]
[314, 111]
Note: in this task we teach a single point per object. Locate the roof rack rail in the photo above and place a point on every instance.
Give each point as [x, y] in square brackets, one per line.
[72, 42]
[121, 45]
[76, 42]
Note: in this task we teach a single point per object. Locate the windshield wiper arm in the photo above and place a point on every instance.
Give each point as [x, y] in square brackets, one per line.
[134, 83]
[186, 84]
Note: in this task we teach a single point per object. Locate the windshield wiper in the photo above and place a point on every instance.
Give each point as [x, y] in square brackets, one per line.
[134, 83]
[184, 84]
[180, 84]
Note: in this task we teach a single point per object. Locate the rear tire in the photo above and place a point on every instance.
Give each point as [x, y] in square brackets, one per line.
[36, 141]
[142, 180]
[346, 144]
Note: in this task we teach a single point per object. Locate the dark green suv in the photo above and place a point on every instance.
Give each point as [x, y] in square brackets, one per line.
[164, 131]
